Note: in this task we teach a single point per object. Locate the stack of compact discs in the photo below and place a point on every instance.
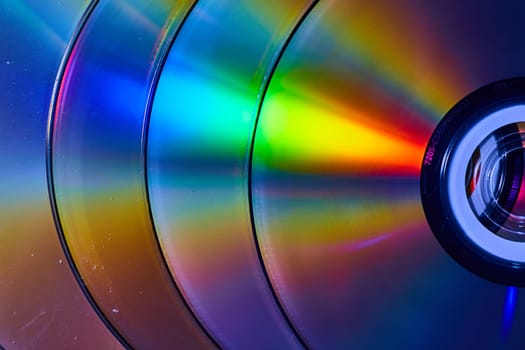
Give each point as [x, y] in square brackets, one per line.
[262, 174]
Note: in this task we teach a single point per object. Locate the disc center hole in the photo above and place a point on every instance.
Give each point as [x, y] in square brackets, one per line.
[494, 182]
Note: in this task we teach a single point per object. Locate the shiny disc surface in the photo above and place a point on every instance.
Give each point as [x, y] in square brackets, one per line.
[338, 150]
[41, 304]
[245, 174]
[97, 173]
[200, 131]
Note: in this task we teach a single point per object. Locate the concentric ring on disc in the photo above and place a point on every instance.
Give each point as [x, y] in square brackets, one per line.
[336, 164]
[97, 169]
[471, 182]
[200, 132]
[474, 229]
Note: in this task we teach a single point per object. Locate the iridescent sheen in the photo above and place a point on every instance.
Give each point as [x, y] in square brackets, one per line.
[98, 172]
[41, 304]
[199, 140]
[337, 153]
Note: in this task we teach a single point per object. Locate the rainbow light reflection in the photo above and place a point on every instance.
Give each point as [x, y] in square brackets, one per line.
[98, 172]
[199, 138]
[336, 161]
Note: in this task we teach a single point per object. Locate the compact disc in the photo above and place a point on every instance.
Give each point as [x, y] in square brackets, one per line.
[41, 303]
[254, 174]
[200, 130]
[97, 174]
[337, 160]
